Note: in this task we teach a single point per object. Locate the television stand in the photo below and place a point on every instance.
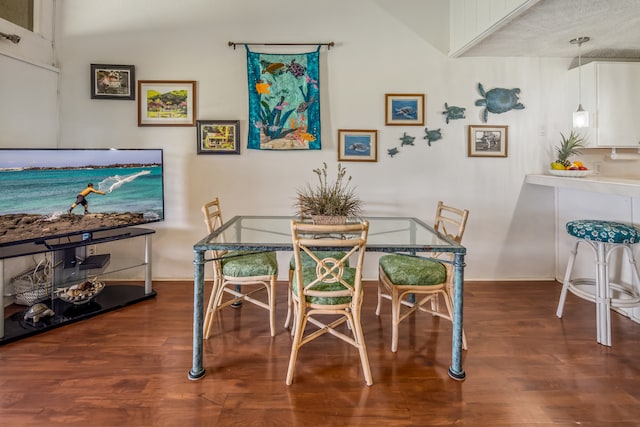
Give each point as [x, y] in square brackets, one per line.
[71, 265]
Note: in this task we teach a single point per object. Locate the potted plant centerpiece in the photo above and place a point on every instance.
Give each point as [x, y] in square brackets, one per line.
[329, 202]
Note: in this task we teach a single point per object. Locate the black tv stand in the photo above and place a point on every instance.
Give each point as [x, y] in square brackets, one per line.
[72, 264]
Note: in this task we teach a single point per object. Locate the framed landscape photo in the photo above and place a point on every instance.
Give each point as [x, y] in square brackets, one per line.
[357, 145]
[218, 136]
[166, 103]
[404, 109]
[113, 81]
[488, 141]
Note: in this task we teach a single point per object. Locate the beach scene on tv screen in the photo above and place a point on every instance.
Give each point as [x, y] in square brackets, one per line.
[53, 192]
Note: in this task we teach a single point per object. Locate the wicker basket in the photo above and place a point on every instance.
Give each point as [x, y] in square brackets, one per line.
[33, 285]
[329, 219]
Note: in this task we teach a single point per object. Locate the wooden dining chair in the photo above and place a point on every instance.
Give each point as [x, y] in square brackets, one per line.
[403, 275]
[238, 273]
[307, 261]
[329, 287]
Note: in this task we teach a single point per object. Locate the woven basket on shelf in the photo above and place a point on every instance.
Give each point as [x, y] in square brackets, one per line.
[33, 285]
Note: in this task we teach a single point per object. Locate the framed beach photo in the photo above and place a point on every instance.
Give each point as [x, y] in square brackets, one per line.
[113, 82]
[357, 145]
[166, 103]
[218, 136]
[404, 109]
[488, 141]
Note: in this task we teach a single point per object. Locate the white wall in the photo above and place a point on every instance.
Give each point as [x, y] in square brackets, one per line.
[509, 234]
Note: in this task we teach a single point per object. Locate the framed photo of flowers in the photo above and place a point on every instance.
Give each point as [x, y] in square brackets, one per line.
[357, 145]
[218, 136]
[166, 103]
[488, 141]
[404, 109]
[113, 81]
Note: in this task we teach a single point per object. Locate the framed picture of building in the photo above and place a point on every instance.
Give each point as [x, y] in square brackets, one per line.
[113, 82]
[218, 136]
[166, 103]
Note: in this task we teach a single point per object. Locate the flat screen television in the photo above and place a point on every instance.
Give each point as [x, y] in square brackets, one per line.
[39, 186]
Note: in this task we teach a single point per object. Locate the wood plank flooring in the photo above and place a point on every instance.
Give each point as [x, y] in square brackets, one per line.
[524, 367]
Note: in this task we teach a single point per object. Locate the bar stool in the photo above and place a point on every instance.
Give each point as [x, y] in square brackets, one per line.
[603, 237]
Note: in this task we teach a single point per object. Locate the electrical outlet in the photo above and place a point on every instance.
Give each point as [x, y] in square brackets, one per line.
[596, 167]
[91, 250]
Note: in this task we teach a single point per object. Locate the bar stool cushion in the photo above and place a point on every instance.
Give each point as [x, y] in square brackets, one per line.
[412, 271]
[603, 231]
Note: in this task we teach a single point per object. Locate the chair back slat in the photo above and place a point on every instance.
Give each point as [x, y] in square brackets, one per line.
[212, 215]
[451, 221]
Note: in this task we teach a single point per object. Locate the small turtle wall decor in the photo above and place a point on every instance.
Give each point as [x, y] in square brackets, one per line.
[453, 112]
[392, 151]
[498, 100]
[37, 312]
[407, 139]
[432, 135]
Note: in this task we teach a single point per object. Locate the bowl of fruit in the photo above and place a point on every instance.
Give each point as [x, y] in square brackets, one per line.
[562, 166]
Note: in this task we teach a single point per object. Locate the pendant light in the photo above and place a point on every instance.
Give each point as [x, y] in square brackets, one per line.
[580, 117]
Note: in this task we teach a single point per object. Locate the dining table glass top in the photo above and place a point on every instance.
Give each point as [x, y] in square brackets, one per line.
[397, 234]
[273, 233]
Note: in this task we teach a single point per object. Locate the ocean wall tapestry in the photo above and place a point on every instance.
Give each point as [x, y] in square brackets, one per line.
[284, 101]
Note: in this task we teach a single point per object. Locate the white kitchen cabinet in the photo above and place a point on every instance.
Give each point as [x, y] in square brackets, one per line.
[611, 95]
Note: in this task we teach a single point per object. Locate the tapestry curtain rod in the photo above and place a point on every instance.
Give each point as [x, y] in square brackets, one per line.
[328, 45]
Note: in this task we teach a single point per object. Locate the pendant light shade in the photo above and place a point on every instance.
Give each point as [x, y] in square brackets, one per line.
[580, 117]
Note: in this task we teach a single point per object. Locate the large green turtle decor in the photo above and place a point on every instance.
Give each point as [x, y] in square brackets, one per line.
[498, 100]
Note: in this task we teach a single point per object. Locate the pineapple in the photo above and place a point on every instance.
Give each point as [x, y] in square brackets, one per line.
[570, 147]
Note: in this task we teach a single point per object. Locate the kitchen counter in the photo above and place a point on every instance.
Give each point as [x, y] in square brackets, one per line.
[623, 186]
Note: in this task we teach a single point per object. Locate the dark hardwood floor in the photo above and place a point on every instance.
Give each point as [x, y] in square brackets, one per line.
[524, 367]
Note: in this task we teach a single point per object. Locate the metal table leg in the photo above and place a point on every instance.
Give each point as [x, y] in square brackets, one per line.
[197, 370]
[455, 371]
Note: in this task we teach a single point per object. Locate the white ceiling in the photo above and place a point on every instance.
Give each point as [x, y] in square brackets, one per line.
[545, 29]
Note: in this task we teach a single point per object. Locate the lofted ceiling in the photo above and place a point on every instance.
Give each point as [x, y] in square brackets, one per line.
[545, 29]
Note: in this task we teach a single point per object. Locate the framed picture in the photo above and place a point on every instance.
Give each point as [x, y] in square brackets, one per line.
[357, 145]
[113, 81]
[166, 103]
[404, 109]
[218, 136]
[488, 141]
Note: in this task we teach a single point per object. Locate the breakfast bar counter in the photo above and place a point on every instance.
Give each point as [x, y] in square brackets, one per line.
[621, 186]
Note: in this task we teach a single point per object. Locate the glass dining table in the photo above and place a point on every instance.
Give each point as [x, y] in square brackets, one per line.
[273, 233]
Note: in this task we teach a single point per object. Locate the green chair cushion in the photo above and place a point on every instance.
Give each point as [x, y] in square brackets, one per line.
[409, 270]
[309, 275]
[307, 261]
[251, 264]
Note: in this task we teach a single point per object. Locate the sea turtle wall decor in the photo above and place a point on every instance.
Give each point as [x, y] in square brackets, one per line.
[498, 100]
[407, 139]
[392, 151]
[432, 135]
[453, 112]
[37, 312]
